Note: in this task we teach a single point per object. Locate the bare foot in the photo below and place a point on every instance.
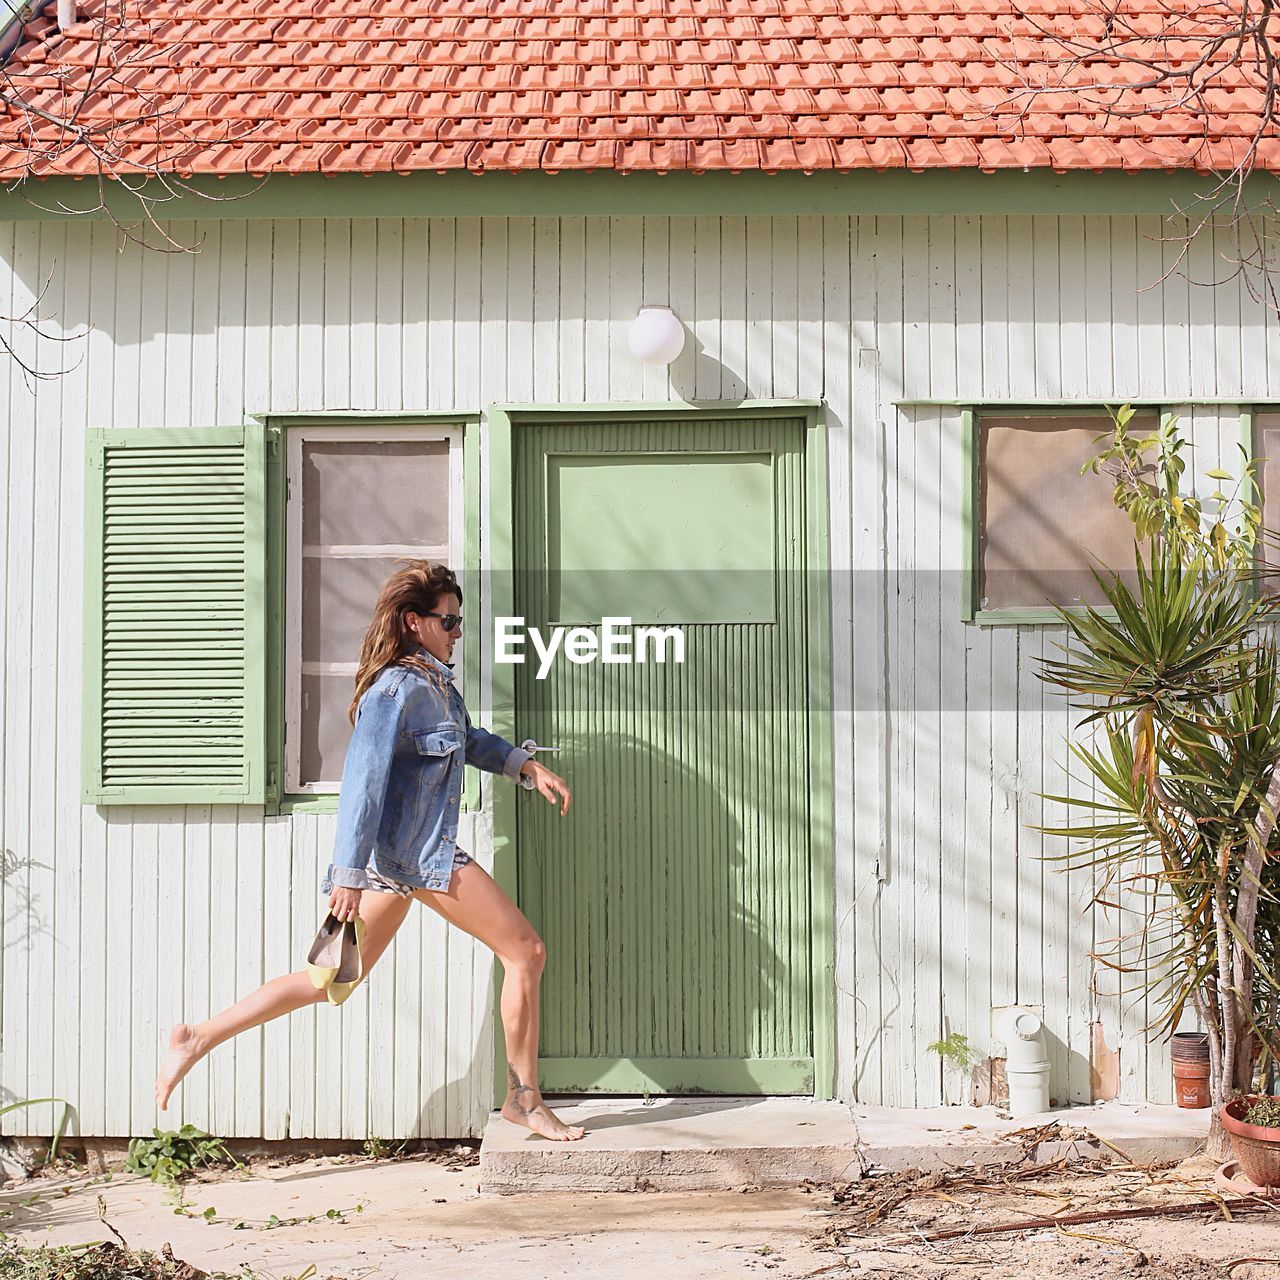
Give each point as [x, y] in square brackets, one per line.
[541, 1119]
[184, 1053]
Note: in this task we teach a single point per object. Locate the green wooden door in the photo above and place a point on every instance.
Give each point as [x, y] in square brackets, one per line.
[675, 899]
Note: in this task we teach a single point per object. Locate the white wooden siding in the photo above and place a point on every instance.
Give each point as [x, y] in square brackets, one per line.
[117, 922]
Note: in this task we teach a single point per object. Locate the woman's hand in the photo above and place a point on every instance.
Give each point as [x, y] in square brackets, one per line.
[345, 903]
[550, 785]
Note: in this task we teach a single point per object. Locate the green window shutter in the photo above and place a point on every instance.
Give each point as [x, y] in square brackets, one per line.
[175, 566]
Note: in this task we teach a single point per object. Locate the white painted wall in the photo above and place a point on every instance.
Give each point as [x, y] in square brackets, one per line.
[117, 922]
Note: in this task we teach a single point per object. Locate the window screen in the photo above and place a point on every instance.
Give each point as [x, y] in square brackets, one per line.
[357, 505]
[1042, 525]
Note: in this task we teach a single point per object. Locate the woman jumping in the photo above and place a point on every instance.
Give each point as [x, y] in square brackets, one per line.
[397, 835]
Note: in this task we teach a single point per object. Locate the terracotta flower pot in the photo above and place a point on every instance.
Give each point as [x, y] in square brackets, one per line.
[1190, 1054]
[1257, 1147]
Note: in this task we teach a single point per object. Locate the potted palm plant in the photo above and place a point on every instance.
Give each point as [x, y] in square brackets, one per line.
[1181, 736]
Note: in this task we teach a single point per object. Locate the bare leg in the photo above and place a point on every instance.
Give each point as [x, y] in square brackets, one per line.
[479, 907]
[189, 1042]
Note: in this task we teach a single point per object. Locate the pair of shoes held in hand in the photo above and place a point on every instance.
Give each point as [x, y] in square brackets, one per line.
[334, 961]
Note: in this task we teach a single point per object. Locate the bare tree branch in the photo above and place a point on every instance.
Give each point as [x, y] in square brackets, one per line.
[1192, 84]
[115, 118]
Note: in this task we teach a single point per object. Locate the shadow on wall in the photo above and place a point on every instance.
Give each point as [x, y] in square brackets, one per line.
[655, 948]
[696, 368]
[24, 912]
[428, 274]
[956, 909]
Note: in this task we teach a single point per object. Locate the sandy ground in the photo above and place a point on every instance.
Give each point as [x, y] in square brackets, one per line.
[420, 1216]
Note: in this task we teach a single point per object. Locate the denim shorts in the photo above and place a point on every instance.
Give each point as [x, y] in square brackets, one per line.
[378, 883]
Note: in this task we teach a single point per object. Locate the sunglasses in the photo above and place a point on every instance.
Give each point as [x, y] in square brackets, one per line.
[449, 621]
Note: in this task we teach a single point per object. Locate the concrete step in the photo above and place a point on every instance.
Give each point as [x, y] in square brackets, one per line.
[711, 1144]
[941, 1138]
[675, 1144]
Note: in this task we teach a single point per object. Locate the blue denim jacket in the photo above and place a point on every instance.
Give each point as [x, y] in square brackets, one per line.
[402, 779]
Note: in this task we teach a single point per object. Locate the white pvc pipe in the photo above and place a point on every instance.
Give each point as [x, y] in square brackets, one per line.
[1026, 1063]
[67, 14]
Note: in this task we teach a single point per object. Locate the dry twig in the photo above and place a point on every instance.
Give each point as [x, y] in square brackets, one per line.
[1237, 1207]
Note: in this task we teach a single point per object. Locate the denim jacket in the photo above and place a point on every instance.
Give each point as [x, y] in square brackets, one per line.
[402, 779]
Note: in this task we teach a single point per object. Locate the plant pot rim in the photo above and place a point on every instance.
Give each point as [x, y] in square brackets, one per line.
[1234, 1123]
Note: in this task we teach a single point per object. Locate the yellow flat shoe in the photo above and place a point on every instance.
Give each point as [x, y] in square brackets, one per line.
[326, 953]
[351, 968]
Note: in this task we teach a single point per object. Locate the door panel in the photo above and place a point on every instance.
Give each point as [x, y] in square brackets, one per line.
[674, 900]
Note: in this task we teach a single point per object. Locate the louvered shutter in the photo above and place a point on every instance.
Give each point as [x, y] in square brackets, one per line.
[175, 571]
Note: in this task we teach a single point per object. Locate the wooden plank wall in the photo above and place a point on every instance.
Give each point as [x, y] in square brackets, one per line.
[116, 922]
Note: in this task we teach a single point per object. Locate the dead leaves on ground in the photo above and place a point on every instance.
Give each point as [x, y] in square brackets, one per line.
[903, 1209]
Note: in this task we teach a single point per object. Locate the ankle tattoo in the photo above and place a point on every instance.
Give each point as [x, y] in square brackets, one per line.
[521, 1103]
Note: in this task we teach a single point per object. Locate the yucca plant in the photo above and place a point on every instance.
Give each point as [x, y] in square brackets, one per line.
[1181, 737]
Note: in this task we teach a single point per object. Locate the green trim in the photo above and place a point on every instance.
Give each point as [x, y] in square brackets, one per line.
[273, 638]
[1249, 443]
[309, 804]
[767, 1076]
[355, 417]
[501, 564]
[821, 759]
[471, 577]
[1044, 617]
[456, 194]
[737, 1076]
[969, 514]
[624, 410]
[1253, 491]
[1031, 408]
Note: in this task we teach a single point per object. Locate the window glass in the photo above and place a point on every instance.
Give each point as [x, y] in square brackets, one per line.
[324, 726]
[1042, 526]
[375, 491]
[338, 595]
[359, 501]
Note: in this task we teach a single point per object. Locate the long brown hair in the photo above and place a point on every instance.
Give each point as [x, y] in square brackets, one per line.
[416, 588]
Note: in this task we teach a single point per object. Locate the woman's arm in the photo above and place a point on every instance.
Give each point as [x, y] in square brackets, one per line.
[365, 774]
[493, 754]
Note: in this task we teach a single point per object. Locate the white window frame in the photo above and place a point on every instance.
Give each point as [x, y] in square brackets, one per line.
[295, 552]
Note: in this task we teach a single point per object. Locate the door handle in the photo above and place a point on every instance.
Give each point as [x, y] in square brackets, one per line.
[532, 748]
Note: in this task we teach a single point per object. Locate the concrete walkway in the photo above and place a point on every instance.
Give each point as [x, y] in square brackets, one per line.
[402, 1219]
[420, 1218]
[710, 1144]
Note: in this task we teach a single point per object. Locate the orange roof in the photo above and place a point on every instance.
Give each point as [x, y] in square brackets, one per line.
[262, 86]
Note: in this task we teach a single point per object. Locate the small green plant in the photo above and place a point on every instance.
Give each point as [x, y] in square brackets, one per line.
[955, 1050]
[332, 1215]
[381, 1149]
[172, 1154]
[186, 1209]
[22, 1103]
[1265, 1113]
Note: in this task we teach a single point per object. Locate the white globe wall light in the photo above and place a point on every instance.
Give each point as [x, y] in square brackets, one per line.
[656, 335]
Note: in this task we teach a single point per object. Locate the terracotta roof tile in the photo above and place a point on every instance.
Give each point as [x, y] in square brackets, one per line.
[261, 86]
